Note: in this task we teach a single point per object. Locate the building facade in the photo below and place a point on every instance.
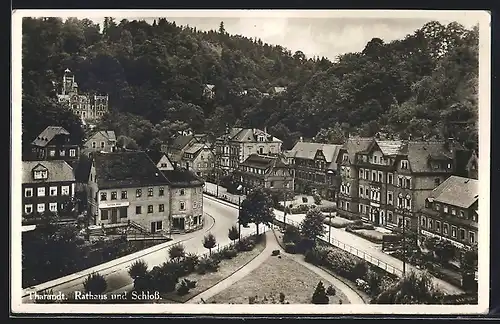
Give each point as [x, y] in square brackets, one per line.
[315, 167]
[128, 187]
[161, 160]
[47, 186]
[100, 141]
[55, 143]
[180, 144]
[387, 182]
[90, 108]
[264, 171]
[451, 212]
[199, 159]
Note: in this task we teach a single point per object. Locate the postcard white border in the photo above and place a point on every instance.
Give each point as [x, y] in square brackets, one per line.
[482, 17]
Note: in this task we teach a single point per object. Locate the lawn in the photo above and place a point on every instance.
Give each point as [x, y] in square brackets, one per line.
[226, 268]
[371, 235]
[297, 200]
[274, 276]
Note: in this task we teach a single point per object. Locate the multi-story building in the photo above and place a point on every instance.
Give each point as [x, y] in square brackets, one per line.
[55, 143]
[387, 182]
[450, 212]
[90, 108]
[315, 167]
[161, 160]
[100, 141]
[128, 186]
[472, 166]
[264, 171]
[237, 144]
[176, 150]
[199, 158]
[47, 186]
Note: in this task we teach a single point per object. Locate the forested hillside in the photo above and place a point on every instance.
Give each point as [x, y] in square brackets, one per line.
[423, 85]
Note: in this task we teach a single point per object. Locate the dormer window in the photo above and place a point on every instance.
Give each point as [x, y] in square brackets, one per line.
[345, 157]
[404, 164]
[40, 174]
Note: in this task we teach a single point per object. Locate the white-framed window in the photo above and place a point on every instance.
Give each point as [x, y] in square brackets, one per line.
[93, 144]
[28, 192]
[445, 228]
[40, 208]
[472, 237]
[102, 144]
[53, 207]
[453, 211]
[429, 223]
[52, 152]
[404, 164]
[182, 192]
[62, 152]
[65, 190]
[438, 226]
[72, 152]
[28, 208]
[182, 205]
[462, 214]
[461, 233]
[423, 221]
[445, 209]
[40, 191]
[53, 191]
[453, 231]
[390, 198]
[40, 174]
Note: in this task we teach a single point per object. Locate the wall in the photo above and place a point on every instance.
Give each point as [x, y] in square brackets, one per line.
[46, 199]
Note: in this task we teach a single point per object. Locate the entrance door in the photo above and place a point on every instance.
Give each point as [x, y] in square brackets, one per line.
[114, 215]
[376, 215]
[153, 227]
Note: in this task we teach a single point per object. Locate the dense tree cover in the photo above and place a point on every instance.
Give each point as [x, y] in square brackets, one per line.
[423, 85]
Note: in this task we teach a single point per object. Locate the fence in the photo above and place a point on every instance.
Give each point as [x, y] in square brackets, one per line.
[350, 249]
[222, 196]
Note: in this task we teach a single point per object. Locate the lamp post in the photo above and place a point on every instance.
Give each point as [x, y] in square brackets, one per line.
[239, 209]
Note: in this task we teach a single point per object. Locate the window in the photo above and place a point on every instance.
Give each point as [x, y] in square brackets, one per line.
[72, 152]
[453, 211]
[182, 205]
[150, 192]
[195, 205]
[104, 214]
[123, 212]
[43, 174]
[28, 192]
[380, 177]
[422, 221]
[438, 207]
[390, 178]
[429, 224]
[374, 159]
[453, 231]
[427, 204]
[138, 193]
[41, 191]
[374, 176]
[113, 195]
[156, 226]
[150, 209]
[360, 208]
[445, 229]
[389, 216]
[138, 210]
[93, 145]
[124, 194]
[52, 152]
[28, 209]
[449, 165]
[62, 152]
[472, 237]
[102, 144]
[437, 181]
[367, 192]
[404, 164]
[474, 217]
[361, 191]
[40, 208]
[361, 174]
[389, 198]
[104, 196]
[347, 205]
[272, 184]
[161, 208]
[400, 181]
[445, 209]
[65, 190]
[462, 214]
[461, 234]
[53, 207]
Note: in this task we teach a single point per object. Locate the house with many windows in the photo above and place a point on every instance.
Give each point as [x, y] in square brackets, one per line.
[315, 167]
[450, 212]
[264, 171]
[129, 187]
[54, 143]
[387, 182]
[47, 186]
[180, 144]
[199, 159]
[100, 141]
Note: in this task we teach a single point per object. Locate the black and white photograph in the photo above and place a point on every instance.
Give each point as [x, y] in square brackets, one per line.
[250, 162]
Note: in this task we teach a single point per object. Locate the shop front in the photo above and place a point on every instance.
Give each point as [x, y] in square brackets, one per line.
[113, 212]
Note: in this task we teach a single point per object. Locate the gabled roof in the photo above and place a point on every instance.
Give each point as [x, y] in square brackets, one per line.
[251, 134]
[230, 134]
[48, 134]
[308, 150]
[354, 145]
[57, 171]
[180, 142]
[457, 191]
[209, 86]
[194, 148]
[126, 169]
[109, 135]
[279, 89]
[390, 148]
[156, 156]
[263, 161]
[419, 154]
[182, 178]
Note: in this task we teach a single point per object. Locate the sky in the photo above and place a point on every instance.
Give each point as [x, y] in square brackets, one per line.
[326, 33]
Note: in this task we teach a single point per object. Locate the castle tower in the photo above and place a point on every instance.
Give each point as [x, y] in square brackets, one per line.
[68, 83]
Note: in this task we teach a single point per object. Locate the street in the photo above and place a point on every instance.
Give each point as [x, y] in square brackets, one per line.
[117, 278]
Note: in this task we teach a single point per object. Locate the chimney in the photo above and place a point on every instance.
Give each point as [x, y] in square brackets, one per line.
[301, 139]
[265, 129]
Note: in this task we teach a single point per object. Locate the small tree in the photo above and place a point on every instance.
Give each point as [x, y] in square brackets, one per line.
[233, 233]
[312, 225]
[209, 242]
[176, 252]
[257, 208]
[95, 284]
[138, 269]
[320, 296]
[291, 234]
[445, 251]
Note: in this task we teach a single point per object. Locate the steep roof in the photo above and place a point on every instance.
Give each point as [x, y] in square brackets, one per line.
[307, 150]
[419, 153]
[110, 135]
[354, 145]
[250, 135]
[57, 171]
[82, 169]
[457, 191]
[263, 161]
[126, 169]
[180, 142]
[155, 156]
[182, 178]
[192, 149]
[390, 148]
[48, 134]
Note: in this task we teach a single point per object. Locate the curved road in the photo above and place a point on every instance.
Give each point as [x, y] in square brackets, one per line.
[223, 217]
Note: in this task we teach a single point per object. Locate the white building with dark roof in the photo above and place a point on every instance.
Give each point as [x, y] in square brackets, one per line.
[100, 141]
[54, 143]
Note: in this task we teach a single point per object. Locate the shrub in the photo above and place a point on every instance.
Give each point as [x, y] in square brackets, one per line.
[138, 269]
[251, 299]
[358, 225]
[317, 199]
[275, 252]
[233, 233]
[246, 244]
[190, 262]
[190, 283]
[176, 268]
[207, 264]
[95, 284]
[176, 252]
[290, 248]
[282, 297]
[183, 288]
[291, 234]
[330, 291]
[209, 242]
[230, 253]
[319, 296]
